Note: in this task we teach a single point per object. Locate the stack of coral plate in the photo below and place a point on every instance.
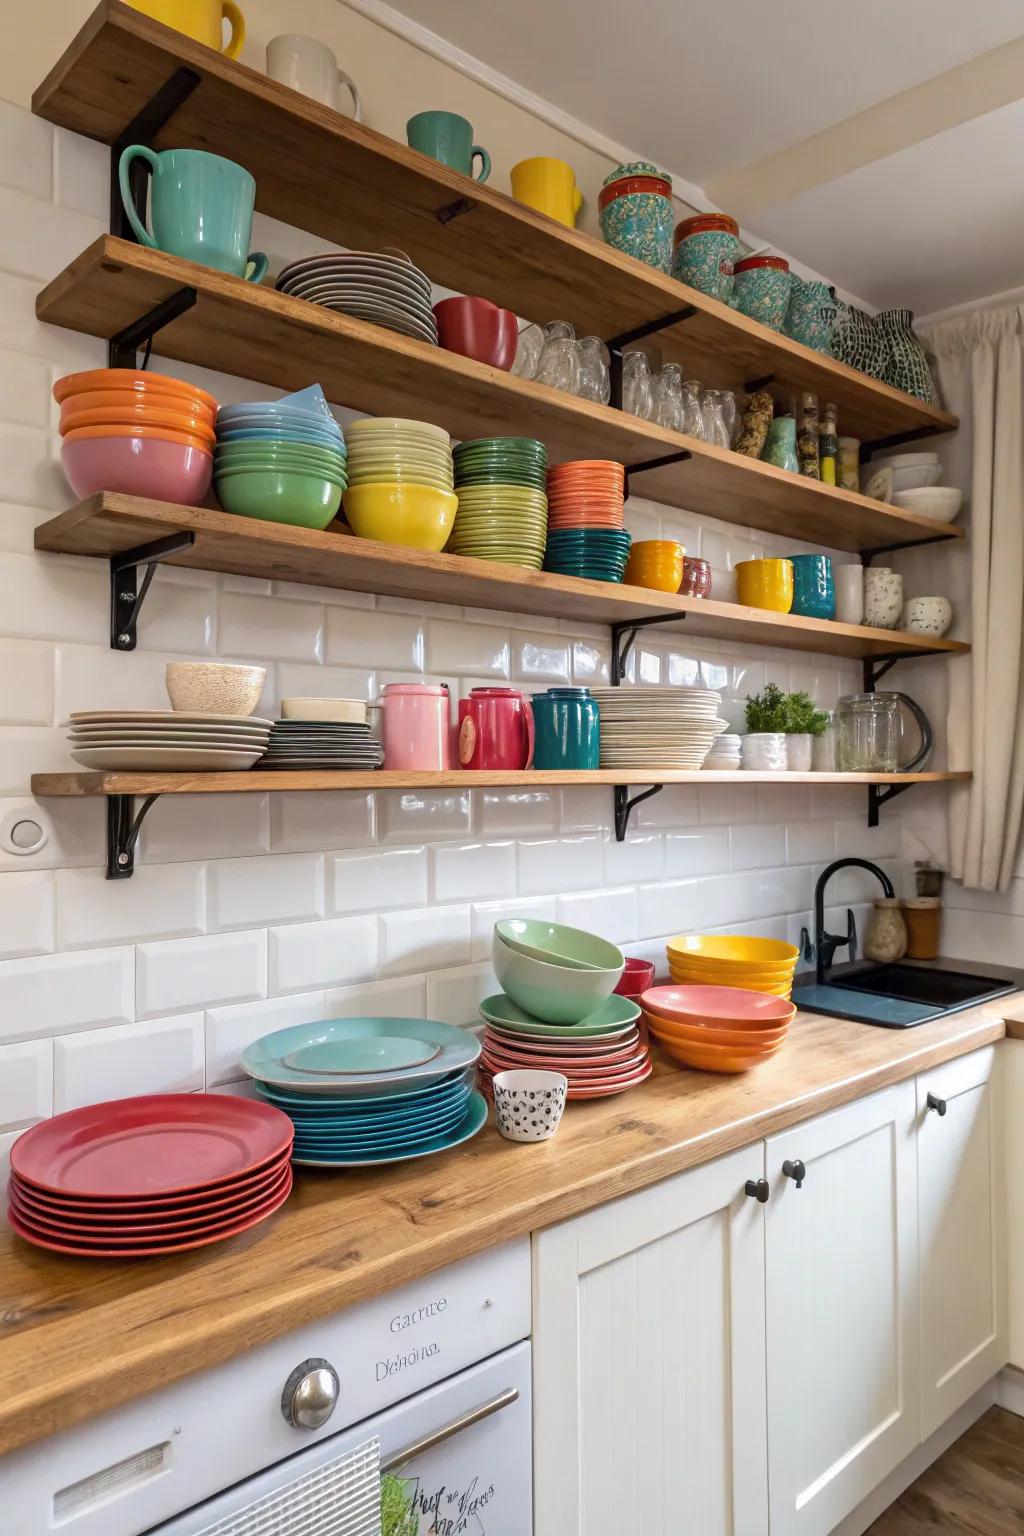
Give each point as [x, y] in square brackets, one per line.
[283, 461]
[145, 434]
[380, 286]
[503, 508]
[657, 727]
[733, 960]
[717, 1029]
[372, 1090]
[558, 1011]
[400, 482]
[585, 533]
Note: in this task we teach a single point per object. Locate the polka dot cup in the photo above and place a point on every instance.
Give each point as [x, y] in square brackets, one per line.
[528, 1105]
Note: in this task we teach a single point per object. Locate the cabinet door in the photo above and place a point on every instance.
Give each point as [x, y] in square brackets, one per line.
[649, 1389]
[840, 1253]
[960, 1200]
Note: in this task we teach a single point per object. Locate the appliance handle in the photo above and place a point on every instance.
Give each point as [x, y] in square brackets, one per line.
[438, 1436]
[927, 734]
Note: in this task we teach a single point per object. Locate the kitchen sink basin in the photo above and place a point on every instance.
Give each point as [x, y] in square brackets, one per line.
[899, 996]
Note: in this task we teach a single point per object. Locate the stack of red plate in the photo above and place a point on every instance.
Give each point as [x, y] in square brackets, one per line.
[152, 1175]
[586, 493]
[603, 1055]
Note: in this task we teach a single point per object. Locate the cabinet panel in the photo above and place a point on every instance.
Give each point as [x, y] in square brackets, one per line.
[841, 1310]
[649, 1362]
[960, 1204]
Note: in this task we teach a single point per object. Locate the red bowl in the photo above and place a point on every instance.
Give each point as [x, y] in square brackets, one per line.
[696, 580]
[636, 977]
[479, 329]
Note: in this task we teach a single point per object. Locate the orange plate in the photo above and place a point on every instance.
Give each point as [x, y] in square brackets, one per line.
[755, 1041]
[707, 1059]
[126, 378]
[163, 434]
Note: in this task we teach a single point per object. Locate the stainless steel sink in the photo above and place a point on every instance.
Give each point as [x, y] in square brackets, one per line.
[899, 996]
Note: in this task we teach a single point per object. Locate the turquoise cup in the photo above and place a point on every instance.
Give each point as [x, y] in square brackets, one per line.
[447, 137]
[200, 207]
[567, 729]
[814, 592]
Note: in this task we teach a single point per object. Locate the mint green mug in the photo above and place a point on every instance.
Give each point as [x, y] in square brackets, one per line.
[200, 206]
[447, 137]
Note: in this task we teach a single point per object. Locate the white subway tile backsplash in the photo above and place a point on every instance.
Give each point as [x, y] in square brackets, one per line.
[380, 877]
[159, 1056]
[472, 871]
[26, 914]
[560, 864]
[53, 994]
[26, 1083]
[253, 628]
[413, 816]
[539, 660]
[205, 826]
[376, 641]
[42, 239]
[159, 902]
[300, 822]
[699, 851]
[26, 151]
[405, 997]
[671, 906]
[810, 842]
[465, 649]
[52, 597]
[24, 386]
[326, 954]
[26, 682]
[299, 680]
[516, 812]
[640, 856]
[180, 613]
[542, 909]
[454, 996]
[182, 974]
[758, 846]
[229, 1030]
[612, 913]
[82, 180]
[252, 893]
[423, 940]
[66, 350]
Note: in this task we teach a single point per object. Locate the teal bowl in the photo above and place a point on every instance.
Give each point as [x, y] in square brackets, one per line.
[280, 496]
[555, 994]
[559, 944]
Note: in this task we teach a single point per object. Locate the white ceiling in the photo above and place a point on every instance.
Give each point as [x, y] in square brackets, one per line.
[708, 89]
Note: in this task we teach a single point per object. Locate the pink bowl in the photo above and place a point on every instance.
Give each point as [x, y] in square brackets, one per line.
[723, 1005]
[479, 329]
[637, 976]
[137, 466]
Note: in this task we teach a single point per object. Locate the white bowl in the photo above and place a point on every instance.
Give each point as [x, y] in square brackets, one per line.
[939, 502]
[905, 460]
[927, 616]
[339, 711]
[912, 478]
[213, 687]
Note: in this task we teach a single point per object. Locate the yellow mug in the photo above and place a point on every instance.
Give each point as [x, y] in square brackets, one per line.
[201, 19]
[549, 186]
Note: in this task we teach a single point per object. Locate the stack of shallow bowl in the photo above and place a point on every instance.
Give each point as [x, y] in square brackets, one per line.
[144, 434]
[370, 1090]
[585, 533]
[717, 1029]
[733, 960]
[282, 461]
[558, 1011]
[503, 507]
[400, 482]
[672, 727]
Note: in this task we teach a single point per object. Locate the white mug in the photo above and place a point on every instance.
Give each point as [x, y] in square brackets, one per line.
[849, 582]
[309, 66]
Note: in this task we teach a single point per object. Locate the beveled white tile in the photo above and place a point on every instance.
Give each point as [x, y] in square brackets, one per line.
[26, 914]
[472, 871]
[82, 179]
[539, 659]
[159, 902]
[810, 842]
[669, 907]
[229, 1030]
[24, 385]
[760, 846]
[160, 1056]
[181, 974]
[405, 997]
[375, 641]
[698, 851]
[424, 940]
[26, 1083]
[300, 822]
[515, 812]
[591, 660]
[180, 613]
[54, 994]
[562, 864]
[460, 649]
[377, 878]
[205, 827]
[275, 888]
[66, 350]
[413, 816]
[43, 239]
[51, 597]
[95, 677]
[726, 804]
[26, 682]
[640, 856]
[259, 628]
[327, 954]
[298, 680]
[610, 913]
[26, 151]
[486, 913]
[674, 806]
[454, 996]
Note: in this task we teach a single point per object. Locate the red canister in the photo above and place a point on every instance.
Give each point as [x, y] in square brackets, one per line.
[495, 729]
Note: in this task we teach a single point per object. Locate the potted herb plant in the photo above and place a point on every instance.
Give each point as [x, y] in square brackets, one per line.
[804, 721]
[764, 745]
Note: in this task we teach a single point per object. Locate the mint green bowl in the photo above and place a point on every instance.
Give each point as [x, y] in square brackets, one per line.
[280, 496]
[257, 454]
[555, 994]
[559, 945]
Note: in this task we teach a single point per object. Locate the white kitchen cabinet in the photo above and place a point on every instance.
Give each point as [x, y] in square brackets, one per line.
[960, 1197]
[649, 1371]
[841, 1310]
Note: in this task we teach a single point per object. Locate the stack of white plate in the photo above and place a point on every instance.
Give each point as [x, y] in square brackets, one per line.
[383, 288]
[657, 727]
[725, 754]
[910, 471]
[166, 740]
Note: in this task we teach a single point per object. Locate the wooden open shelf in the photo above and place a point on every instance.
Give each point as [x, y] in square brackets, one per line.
[255, 782]
[257, 333]
[111, 524]
[346, 183]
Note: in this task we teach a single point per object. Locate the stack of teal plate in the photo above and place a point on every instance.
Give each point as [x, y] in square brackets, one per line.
[599, 554]
[503, 505]
[370, 1090]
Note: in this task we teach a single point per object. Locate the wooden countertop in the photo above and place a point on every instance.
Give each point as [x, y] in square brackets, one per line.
[78, 1337]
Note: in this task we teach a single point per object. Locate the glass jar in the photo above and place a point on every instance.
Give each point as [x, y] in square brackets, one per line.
[668, 397]
[693, 416]
[637, 391]
[713, 420]
[730, 413]
[595, 380]
[867, 732]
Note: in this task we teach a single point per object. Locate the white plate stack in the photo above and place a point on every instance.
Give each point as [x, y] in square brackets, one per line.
[380, 286]
[724, 755]
[657, 727]
[166, 740]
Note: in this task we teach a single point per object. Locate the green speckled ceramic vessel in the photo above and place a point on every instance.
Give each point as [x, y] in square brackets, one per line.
[761, 289]
[636, 213]
[705, 250]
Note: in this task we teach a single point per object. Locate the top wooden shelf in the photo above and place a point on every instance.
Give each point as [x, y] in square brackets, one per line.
[348, 184]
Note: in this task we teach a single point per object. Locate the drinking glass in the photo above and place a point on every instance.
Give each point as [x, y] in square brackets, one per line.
[693, 417]
[668, 397]
[529, 345]
[595, 379]
[637, 385]
[559, 360]
[713, 420]
[730, 414]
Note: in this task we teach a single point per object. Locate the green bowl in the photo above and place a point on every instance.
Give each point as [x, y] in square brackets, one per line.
[559, 944]
[280, 496]
[615, 1014]
[555, 994]
[530, 445]
[333, 463]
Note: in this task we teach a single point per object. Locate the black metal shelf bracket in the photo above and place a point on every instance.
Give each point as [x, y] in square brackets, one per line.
[638, 469]
[126, 595]
[896, 440]
[867, 555]
[615, 344]
[143, 129]
[624, 637]
[753, 385]
[122, 348]
[123, 827]
[455, 210]
[624, 806]
[878, 794]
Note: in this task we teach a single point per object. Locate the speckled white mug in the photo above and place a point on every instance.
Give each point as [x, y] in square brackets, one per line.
[883, 597]
[528, 1105]
[927, 616]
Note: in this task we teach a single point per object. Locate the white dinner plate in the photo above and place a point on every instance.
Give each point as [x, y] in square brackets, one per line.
[137, 716]
[164, 759]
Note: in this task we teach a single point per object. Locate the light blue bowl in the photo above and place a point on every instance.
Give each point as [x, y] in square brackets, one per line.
[283, 433]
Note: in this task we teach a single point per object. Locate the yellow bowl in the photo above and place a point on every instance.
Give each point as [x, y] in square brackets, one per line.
[743, 951]
[702, 978]
[765, 584]
[416, 516]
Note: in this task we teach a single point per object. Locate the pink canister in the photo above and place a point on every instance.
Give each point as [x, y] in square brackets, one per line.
[417, 726]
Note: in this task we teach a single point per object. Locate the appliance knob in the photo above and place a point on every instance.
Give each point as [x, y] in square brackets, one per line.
[310, 1394]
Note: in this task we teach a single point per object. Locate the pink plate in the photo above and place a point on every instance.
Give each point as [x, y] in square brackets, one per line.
[725, 1005]
[161, 1207]
[592, 1072]
[585, 1052]
[157, 1144]
[80, 1249]
[606, 1090]
[91, 1228]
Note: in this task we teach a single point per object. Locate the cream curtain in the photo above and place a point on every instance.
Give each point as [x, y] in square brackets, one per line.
[979, 363]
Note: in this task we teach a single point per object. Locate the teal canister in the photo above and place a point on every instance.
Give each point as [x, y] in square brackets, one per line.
[200, 207]
[635, 203]
[810, 314]
[705, 249]
[761, 289]
[780, 448]
[567, 729]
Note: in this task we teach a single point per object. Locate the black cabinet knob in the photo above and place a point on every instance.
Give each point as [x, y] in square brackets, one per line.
[757, 1189]
[796, 1171]
[939, 1105]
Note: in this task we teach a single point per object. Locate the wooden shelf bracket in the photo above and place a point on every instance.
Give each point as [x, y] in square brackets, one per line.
[123, 828]
[126, 595]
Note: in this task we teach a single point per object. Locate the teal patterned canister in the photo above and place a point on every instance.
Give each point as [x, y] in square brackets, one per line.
[906, 364]
[636, 213]
[705, 249]
[761, 289]
[811, 314]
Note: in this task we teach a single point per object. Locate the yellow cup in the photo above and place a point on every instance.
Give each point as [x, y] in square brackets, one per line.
[549, 186]
[655, 563]
[765, 584]
[201, 19]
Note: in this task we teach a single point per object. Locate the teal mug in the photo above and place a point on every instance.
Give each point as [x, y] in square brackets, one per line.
[200, 206]
[567, 729]
[447, 137]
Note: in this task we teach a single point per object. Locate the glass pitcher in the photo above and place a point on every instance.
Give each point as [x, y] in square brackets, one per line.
[668, 397]
[870, 734]
[693, 417]
[637, 393]
[595, 379]
[715, 430]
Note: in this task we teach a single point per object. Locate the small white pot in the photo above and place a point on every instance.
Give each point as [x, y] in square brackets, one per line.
[849, 581]
[528, 1105]
[764, 752]
[883, 597]
[799, 752]
[927, 616]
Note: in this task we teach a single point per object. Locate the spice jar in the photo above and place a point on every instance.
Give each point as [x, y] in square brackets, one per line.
[704, 251]
[886, 938]
[828, 444]
[923, 918]
[761, 289]
[849, 463]
[807, 437]
[757, 418]
[636, 213]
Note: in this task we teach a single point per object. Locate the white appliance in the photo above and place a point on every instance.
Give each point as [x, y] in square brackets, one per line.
[430, 1381]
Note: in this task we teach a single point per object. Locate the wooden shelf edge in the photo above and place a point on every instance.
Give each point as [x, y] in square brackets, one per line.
[252, 781]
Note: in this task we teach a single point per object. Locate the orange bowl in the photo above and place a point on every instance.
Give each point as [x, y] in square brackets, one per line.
[757, 1041]
[166, 434]
[732, 1007]
[136, 379]
[710, 1059]
[121, 399]
[142, 416]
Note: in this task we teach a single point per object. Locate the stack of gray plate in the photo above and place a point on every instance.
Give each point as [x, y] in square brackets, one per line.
[321, 744]
[380, 286]
[156, 740]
